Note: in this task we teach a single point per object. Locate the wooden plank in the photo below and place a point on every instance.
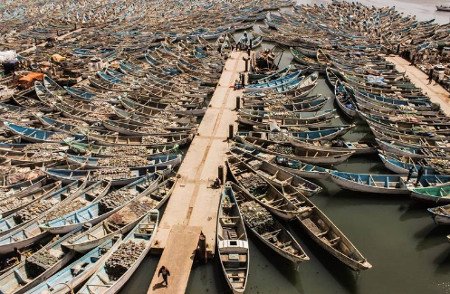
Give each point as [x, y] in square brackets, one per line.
[177, 257]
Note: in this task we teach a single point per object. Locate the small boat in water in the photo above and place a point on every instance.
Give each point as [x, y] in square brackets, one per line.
[123, 262]
[232, 242]
[267, 229]
[440, 214]
[432, 194]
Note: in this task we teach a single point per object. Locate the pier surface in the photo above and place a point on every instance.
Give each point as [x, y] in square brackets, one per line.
[177, 258]
[435, 91]
[194, 204]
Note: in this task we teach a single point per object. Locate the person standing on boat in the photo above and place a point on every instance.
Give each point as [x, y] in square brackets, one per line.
[419, 175]
[410, 173]
[165, 274]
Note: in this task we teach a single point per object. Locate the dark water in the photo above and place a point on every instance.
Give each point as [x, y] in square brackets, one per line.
[408, 252]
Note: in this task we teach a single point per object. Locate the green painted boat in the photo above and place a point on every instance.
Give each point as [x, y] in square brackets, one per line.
[435, 194]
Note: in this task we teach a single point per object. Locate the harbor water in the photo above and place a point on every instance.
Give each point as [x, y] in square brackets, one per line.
[409, 253]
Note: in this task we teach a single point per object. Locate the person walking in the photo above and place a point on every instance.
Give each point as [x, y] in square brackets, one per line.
[430, 75]
[165, 274]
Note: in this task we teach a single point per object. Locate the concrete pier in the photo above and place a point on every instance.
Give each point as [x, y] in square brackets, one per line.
[435, 91]
[193, 206]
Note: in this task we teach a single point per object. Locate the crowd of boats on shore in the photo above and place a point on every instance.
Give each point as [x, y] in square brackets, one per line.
[92, 137]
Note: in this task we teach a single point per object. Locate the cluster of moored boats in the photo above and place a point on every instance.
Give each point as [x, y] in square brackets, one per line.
[95, 118]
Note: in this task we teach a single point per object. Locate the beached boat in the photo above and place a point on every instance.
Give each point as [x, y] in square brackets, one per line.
[101, 209]
[123, 262]
[37, 135]
[117, 176]
[125, 161]
[76, 273]
[124, 219]
[36, 268]
[267, 229]
[232, 242]
[112, 151]
[30, 233]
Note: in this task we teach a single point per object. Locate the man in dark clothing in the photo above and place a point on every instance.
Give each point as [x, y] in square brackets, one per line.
[430, 76]
[410, 173]
[419, 175]
[165, 274]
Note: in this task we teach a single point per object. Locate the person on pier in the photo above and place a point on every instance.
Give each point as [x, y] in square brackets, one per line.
[165, 274]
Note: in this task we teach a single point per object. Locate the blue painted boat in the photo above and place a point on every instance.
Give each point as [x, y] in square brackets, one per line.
[383, 184]
[142, 236]
[398, 166]
[108, 78]
[76, 273]
[61, 126]
[30, 233]
[20, 278]
[273, 83]
[38, 135]
[80, 94]
[117, 176]
[99, 210]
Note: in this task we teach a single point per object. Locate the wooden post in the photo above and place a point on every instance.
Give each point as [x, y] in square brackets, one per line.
[201, 249]
[238, 102]
[230, 131]
[221, 174]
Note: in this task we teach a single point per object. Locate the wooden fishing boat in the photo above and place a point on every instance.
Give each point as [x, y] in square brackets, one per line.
[383, 184]
[309, 134]
[11, 204]
[261, 190]
[440, 214]
[25, 189]
[293, 166]
[122, 221]
[267, 229]
[232, 242]
[111, 151]
[168, 140]
[37, 135]
[275, 175]
[80, 94]
[432, 194]
[122, 263]
[399, 166]
[30, 233]
[36, 268]
[358, 148]
[76, 273]
[126, 161]
[273, 83]
[101, 209]
[344, 100]
[117, 176]
[288, 149]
